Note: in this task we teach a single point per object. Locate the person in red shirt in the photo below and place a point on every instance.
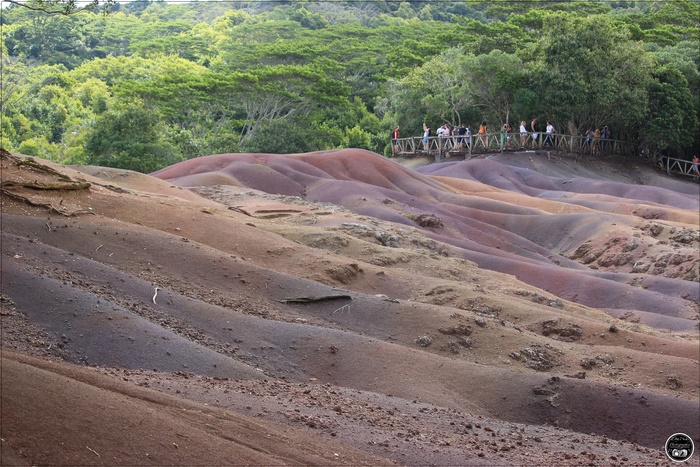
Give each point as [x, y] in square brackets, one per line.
[394, 137]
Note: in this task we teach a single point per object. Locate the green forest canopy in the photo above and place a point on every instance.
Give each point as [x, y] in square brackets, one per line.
[142, 85]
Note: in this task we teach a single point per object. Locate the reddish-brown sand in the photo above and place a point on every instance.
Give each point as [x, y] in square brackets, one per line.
[340, 308]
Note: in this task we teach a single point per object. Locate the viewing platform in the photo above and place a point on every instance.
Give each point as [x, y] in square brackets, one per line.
[455, 146]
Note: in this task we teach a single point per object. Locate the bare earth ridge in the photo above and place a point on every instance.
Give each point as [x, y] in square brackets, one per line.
[340, 308]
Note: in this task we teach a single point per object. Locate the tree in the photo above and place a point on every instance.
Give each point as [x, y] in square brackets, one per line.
[280, 93]
[131, 136]
[671, 121]
[291, 136]
[493, 81]
[37, 147]
[451, 84]
[436, 90]
[63, 7]
[48, 38]
[356, 137]
[15, 74]
[590, 71]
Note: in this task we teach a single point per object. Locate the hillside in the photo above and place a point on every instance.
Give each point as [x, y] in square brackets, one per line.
[341, 308]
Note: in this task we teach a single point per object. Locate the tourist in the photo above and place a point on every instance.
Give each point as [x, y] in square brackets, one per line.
[441, 137]
[461, 131]
[549, 138]
[596, 141]
[589, 140]
[695, 167]
[483, 129]
[394, 139]
[426, 136]
[533, 127]
[523, 134]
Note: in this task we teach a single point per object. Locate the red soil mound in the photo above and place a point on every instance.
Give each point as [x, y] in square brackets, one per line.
[518, 233]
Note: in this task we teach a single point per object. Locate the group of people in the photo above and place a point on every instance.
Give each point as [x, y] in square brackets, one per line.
[597, 140]
[548, 138]
[460, 137]
[464, 134]
[507, 134]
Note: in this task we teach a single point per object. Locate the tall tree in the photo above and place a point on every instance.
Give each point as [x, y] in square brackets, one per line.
[589, 72]
[671, 121]
[494, 80]
[133, 137]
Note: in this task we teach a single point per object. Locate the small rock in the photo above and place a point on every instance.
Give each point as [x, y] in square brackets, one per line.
[424, 341]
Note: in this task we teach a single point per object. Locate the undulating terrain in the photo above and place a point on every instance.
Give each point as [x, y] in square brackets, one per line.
[342, 308]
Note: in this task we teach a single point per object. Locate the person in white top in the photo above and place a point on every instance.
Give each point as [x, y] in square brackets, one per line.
[523, 133]
[550, 130]
[426, 135]
[441, 136]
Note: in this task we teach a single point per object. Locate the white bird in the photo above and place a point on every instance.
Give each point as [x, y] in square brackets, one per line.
[155, 290]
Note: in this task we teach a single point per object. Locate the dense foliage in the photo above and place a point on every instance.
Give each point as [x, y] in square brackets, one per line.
[151, 83]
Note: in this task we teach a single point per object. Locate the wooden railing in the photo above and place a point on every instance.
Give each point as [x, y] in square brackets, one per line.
[678, 166]
[441, 147]
[468, 146]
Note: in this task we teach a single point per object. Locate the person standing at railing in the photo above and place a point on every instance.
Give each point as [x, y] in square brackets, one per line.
[523, 134]
[589, 139]
[533, 127]
[549, 138]
[441, 137]
[696, 161]
[394, 140]
[426, 135]
[461, 131]
[483, 129]
[596, 142]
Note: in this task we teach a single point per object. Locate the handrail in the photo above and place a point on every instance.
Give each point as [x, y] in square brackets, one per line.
[678, 166]
[440, 146]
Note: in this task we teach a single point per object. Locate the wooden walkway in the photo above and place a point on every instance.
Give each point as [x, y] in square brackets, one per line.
[678, 166]
[467, 147]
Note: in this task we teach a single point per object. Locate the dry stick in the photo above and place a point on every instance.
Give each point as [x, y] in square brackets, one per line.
[96, 453]
[344, 307]
[315, 299]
